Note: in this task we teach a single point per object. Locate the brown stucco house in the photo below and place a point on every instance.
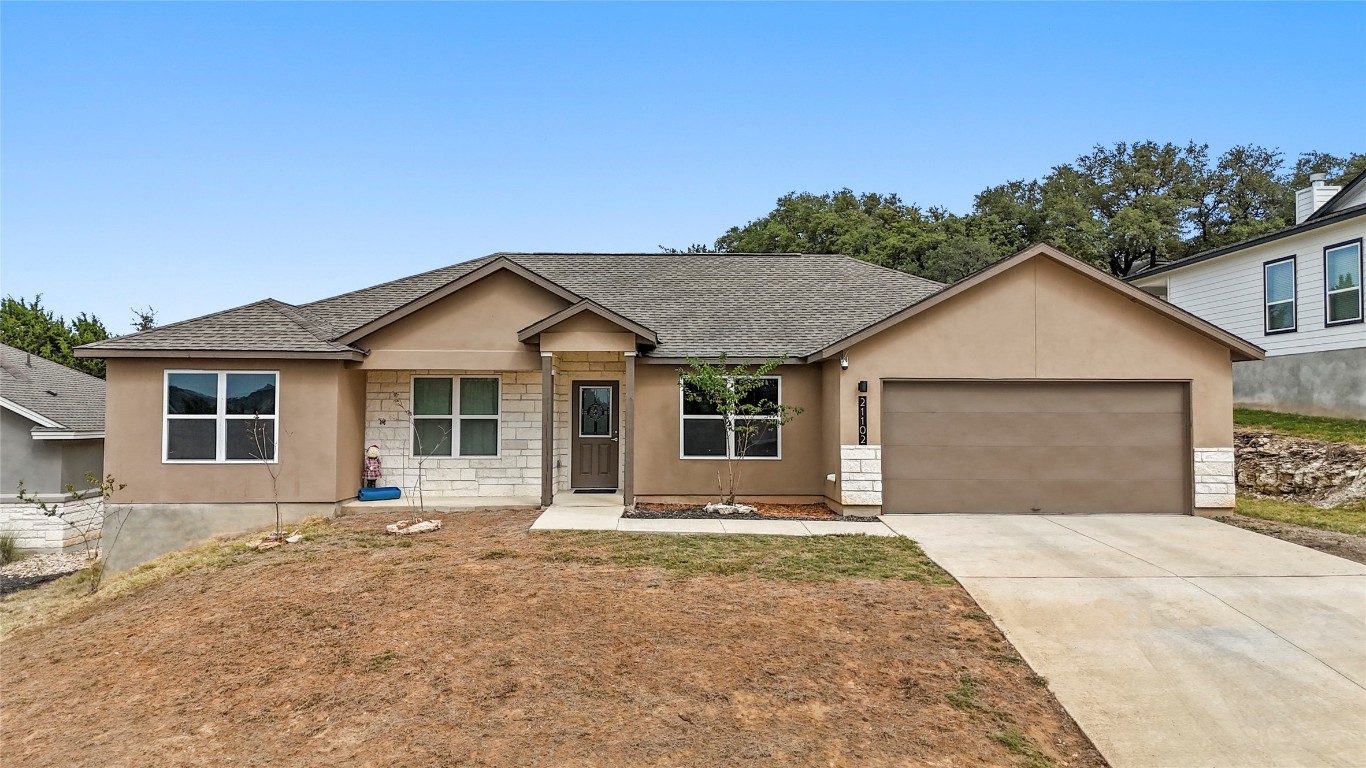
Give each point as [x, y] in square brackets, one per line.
[1037, 385]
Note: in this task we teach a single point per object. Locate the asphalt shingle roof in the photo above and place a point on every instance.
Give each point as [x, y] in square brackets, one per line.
[70, 398]
[742, 305]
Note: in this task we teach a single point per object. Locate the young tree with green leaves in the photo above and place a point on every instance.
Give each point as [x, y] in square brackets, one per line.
[750, 412]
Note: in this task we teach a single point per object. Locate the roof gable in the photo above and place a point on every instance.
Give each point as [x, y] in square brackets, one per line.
[587, 308]
[1242, 349]
[1353, 194]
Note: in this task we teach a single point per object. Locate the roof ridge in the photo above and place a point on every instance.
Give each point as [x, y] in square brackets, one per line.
[308, 320]
[405, 278]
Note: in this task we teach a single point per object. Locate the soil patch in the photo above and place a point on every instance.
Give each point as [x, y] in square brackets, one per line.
[484, 644]
[1343, 545]
[649, 511]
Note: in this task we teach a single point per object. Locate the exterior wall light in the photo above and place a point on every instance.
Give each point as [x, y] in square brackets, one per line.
[844, 361]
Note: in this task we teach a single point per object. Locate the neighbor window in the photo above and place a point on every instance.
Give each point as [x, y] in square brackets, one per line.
[1278, 279]
[455, 416]
[221, 416]
[704, 430]
[1342, 283]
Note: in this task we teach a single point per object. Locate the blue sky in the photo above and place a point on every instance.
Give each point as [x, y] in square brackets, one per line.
[200, 156]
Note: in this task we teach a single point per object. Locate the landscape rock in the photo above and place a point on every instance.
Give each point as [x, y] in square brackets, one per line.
[731, 509]
[1310, 471]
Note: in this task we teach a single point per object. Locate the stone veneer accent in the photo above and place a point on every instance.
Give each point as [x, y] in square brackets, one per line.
[861, 475]
[582, 366]
[516, 471]
[37, 532]
[1214, 478]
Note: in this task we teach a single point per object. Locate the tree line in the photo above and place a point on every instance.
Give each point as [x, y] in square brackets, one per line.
[1121, 208]
[30, 326]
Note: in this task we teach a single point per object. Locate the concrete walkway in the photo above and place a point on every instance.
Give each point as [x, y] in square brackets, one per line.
[1174, 641]
[598, 512]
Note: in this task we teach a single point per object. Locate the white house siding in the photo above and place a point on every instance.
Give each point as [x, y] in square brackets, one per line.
[1228, 292]
[516, 471]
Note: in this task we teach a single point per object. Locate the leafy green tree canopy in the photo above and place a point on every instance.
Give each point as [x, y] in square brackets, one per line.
[29, 326]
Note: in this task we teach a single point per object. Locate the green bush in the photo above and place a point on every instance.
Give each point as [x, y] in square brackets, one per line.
[9, 548]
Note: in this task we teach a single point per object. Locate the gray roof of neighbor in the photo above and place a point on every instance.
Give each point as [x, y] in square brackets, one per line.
[742, 305]
[66, 396]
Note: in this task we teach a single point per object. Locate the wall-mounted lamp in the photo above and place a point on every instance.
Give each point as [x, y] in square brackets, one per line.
[844, 361]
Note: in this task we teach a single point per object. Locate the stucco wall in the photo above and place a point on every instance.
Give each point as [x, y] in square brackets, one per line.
[1331, 383]
[516, 471]
[37, 462]
[474, 328]
[1041, 320]
[312, 396]
[660, 471]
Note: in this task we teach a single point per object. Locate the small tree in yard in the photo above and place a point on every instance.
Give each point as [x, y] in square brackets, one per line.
[263, 450]
[420, 453]
[736, 393]
[85, 512]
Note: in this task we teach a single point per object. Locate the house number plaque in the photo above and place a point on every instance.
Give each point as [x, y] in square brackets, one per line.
[862, 419]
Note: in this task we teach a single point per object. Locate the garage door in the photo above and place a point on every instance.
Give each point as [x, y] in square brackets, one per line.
[1046, 447]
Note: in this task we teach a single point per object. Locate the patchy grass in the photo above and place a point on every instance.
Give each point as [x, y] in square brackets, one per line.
[1308, 427]
[70, 594]
[604, 649]
[1018, 743]
[1346, 519]
[792, 558]
[9, 548]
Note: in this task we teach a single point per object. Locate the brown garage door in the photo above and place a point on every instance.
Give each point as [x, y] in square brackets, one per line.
[1034, 446]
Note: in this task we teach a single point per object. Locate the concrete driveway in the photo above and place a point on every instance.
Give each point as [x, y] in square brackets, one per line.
[1174, 641]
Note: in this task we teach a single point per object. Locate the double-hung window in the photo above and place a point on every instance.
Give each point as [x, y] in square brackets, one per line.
[1278, 286]
[220, 416]
[704, 432]
[455, 415]
[1342, 283]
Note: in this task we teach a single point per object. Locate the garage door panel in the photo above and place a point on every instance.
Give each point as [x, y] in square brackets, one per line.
[1032, 463]
[1035, 446]
[1022, 429]
[1065, 397]
[1058, 497]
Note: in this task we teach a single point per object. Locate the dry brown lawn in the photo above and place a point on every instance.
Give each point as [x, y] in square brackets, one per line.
[486, 645]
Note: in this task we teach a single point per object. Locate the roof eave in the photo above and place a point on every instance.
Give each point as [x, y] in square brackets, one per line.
[233, 354]
[66, 434]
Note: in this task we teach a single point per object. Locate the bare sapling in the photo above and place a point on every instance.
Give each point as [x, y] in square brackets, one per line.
[85, 512]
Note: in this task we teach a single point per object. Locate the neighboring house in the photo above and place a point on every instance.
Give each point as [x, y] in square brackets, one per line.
[51, 436]
[1297, 293]
[1037, 385]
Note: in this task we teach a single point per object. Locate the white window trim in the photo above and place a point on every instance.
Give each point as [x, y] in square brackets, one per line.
[730, 444]
[1328, 321]
[1293, 301]
[456, 417]
[220, 418]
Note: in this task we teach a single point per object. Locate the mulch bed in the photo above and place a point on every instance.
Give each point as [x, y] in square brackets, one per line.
[766, 512]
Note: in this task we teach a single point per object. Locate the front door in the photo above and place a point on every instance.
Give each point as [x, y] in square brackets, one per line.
[593, 441]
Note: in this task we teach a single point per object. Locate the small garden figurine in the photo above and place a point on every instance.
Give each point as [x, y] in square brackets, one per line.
[373, 470]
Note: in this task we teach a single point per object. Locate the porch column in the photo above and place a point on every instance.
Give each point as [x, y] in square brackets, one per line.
[628, 440]
[547, 428]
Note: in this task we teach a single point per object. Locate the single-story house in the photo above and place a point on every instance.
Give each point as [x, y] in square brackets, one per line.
[1297, 292]
[51, 436]
[1039, 384]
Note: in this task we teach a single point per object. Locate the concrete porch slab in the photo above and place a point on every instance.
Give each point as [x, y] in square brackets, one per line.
[578, 519]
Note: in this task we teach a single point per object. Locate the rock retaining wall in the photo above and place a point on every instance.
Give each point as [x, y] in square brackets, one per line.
[1311, 471]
